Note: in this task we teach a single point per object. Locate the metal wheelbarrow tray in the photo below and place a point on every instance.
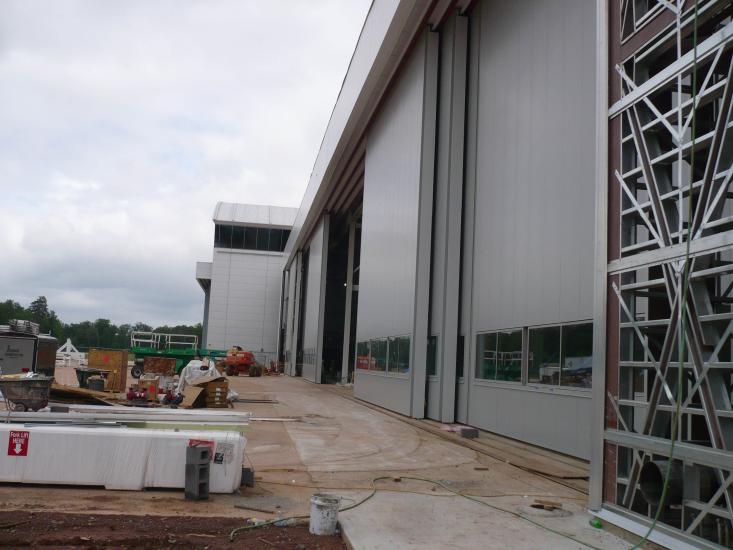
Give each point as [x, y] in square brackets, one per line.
[26, 393]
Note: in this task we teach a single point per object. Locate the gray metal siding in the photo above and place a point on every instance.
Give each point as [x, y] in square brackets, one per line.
[244, 300]
[535, 171]
[534, 200]
[559, 422]
[295, 271]
[389, 238]
[390, 209]
[314, 298]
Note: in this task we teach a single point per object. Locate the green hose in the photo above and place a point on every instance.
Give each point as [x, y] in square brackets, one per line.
[685, 289]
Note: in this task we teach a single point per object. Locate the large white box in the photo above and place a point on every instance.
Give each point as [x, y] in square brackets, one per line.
[115, 458]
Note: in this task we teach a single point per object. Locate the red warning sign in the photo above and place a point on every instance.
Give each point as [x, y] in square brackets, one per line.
[18, 443]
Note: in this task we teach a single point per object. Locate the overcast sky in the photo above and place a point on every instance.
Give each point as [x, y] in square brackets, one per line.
[122, 123]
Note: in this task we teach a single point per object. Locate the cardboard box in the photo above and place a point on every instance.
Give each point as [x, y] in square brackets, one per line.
[209, 393]
[113, 360]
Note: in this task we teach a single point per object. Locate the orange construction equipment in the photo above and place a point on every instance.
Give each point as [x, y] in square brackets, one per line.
[239, 361]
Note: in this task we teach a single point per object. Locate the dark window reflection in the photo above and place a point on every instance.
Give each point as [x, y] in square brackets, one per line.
[509, 356]
[379, 355]
[240, 237]
[544, 356]
[399, 354]
[250, 238]
[486, 356]
[577, 355]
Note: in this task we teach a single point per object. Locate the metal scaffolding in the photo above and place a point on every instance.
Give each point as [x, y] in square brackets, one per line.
[670, 212]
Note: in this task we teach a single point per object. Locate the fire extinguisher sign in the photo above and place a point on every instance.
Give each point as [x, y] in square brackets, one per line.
[18, 443]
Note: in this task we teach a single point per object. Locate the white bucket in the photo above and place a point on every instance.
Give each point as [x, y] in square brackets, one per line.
[324, 514]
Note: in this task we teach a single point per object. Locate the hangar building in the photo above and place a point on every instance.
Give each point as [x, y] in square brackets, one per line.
[242, 282]
[516, 210]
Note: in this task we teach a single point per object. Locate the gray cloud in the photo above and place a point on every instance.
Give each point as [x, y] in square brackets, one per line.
[122, 124]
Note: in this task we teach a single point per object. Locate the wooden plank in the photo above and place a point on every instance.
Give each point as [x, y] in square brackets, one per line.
[69, 394]
[114, 360]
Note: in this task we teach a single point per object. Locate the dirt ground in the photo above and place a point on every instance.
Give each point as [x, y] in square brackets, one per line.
[92, 531]
[308, 439]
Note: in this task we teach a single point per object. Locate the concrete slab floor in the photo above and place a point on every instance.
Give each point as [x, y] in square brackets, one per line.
[338, 446]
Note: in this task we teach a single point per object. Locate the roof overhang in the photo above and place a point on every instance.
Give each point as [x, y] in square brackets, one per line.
[203, 274]
[390, 29]
[254, 215]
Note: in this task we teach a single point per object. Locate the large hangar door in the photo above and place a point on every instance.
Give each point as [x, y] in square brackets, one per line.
[394, 274]
[314, 303]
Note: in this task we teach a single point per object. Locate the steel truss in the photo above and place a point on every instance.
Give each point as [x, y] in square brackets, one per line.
[671, 168]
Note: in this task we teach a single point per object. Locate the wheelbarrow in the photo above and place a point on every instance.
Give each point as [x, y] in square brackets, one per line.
[26, 393]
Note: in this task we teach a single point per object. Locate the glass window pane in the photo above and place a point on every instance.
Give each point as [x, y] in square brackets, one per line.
[263, 235]
[362, 355]
[250, 238]
[273, 245]
[486, 356]
[509, 356]
[217, 231]
[432, 355]
[544, 356]
[399, 354]
[225, 236]
[379, 355]
[238, 237]
[284, 240]
[404, 355]
[577, 355]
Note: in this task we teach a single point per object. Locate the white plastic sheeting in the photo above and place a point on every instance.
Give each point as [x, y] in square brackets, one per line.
[199, 371]
[116, 458]
[193, 372]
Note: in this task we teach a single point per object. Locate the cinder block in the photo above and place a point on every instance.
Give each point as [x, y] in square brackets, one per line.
[198, 454]
[248, 477]
[197, 472]
[468, 432]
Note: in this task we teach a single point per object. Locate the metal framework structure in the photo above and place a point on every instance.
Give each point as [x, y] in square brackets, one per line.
[670, 242]
[162, 341]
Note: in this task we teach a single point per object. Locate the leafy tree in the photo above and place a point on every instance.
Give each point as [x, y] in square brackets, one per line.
[39, 309]
[100, 333]
[10, 309]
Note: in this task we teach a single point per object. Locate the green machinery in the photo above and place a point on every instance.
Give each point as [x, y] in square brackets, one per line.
[181, 347]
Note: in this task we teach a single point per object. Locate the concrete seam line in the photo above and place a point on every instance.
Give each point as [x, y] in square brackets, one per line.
[466, 444]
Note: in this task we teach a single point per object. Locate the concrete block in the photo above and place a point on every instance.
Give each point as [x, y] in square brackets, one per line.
[248, 477]
[468, 432]
[197, 472]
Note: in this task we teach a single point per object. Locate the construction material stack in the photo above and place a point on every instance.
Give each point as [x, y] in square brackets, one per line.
[216, 393]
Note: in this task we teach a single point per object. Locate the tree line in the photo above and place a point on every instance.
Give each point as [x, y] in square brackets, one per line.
[101, 333]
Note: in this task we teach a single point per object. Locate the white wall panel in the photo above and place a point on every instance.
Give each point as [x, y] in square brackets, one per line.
[314, 303]
[244, 300]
